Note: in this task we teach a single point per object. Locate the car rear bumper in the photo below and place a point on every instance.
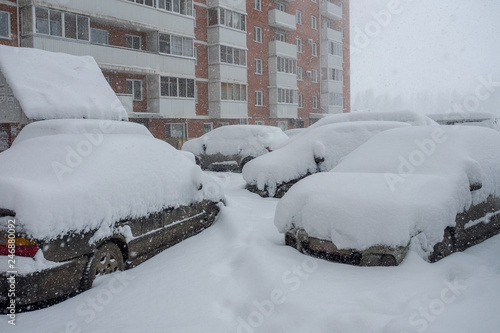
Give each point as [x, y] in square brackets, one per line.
[41, 286]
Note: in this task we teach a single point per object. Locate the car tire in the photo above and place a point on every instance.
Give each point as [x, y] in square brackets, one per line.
[245, 161]
[443, 248]
[107, 259]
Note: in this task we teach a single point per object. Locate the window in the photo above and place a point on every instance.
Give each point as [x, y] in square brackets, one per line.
[286, 65]
[194, 15]
[299, 45]
[4, 25]
[257, 34]
[243, 121]
[280, 36]
[301, 101]
[227, 18]
[175, 130]
[231, 55]
[259, 98]
[335, 74]
[176, 45]
[257, 4]
[76, 26]
[207, 127]
[335, 99]
[233, 91]
[99, 36]
[283, 125]
[149, 3]
[314, 75]
[314, 49]
[195, 54]
[314, 22]
[184, 7]
[299, 73]
[315, 102]
[259, 122]
[335, 48]
[280, 6]
[258, 66]
[48, 22]
[177, 87]
[133, 42]
[298, 17]
[287, 96]
[134, 88]
[223, 123]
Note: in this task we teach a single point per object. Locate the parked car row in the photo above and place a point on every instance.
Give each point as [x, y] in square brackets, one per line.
[84, 198]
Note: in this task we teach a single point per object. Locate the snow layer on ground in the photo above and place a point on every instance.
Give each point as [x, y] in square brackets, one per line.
[246, 140]
[57, 85]
[331, 142]
[87, 180]
[400, 183]
[239, 277]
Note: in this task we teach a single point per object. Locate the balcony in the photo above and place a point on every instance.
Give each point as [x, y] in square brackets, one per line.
[281, 20]
[225, 72]
[278, 48]
[228, 109]
[125, 11]
[230, 4]
[332, 86]
[118, 58]
[222, 34]
[283, 111]
[331, 34]
[331, 61]
[177, 107]
[331, 10]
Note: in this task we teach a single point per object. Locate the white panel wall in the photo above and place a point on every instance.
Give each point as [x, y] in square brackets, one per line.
[177, 107]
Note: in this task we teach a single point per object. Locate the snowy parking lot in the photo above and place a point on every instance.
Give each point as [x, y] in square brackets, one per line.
[238, 276]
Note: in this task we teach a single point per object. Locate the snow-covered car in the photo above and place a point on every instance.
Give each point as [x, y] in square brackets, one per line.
[229, 148]
[432, 189]
[83, 198]
[320, 148]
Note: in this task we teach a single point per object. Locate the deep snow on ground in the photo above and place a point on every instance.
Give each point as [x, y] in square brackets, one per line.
[237, 276]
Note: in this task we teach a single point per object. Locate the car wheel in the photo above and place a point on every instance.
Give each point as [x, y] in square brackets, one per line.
[107, 259]
[443, 248]
[246, 160]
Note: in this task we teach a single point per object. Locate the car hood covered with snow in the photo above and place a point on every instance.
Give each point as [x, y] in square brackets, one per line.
[403, 184]
[329, 143]
[62, 176]
[246, 140]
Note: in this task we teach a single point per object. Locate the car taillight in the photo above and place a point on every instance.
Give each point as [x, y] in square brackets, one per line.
[19, 246]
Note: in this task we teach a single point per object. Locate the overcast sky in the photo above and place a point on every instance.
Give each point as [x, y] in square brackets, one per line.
[405, 48]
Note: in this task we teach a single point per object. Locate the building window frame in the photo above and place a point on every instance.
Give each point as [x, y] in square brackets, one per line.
[175, 130]
[314, 22]
[134, 88]
[231, 91]
[99, 33]
[298, 17]
[207, 127]
[177, 87]
[257, 34]
[299, 45]
[259, 67]
[300, 73]
[315, 102]
[259, 98]
[257, 5]
[6, 28]
[133, 42]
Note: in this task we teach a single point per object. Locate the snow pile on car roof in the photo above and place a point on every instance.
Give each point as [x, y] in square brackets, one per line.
[52, 85]
[329, 143]
[410, 117]
[401, 183]
[246, 140]
[82, 181]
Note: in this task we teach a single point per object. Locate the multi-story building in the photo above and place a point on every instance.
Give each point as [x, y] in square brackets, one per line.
[184, 67]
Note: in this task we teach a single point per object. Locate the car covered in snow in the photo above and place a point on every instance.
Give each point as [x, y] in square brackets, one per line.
[83, 198]
[320, 148]
[434, 190]
[229, 148]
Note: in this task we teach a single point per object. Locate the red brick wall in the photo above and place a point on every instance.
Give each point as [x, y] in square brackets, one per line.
[13, 41]
[117, 34]
[118, 81]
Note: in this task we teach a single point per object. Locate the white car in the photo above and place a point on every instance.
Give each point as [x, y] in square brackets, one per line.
[320, 148]
[83, 198]
[229, 148]
[432, 189]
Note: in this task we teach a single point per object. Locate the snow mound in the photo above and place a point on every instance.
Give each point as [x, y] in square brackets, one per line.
[401, 183]
[329, 143]
[246, 140]
[57, 85]
[82, 181]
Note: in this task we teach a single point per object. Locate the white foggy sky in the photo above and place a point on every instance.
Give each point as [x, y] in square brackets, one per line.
[430, 46]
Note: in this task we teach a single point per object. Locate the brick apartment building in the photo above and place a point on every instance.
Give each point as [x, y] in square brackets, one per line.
[184, 67]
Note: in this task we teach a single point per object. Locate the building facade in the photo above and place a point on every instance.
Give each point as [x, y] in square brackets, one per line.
[184, 67]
